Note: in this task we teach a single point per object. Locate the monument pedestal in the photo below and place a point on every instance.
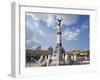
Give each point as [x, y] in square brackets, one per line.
[56, 61]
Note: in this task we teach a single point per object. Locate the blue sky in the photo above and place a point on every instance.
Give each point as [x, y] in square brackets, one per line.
[41, 30]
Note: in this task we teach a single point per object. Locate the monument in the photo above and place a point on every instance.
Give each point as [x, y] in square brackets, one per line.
[58, 55]
[57, 58]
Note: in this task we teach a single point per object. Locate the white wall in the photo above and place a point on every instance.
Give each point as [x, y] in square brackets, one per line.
[5, 39]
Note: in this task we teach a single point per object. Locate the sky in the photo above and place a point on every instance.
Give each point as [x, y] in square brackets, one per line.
[40, 29]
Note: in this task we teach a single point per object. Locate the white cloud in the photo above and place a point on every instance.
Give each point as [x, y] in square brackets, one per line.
[42, 33]
[38, 30]
[77, 30]
[68, 19]
[45, 47]
[36, 27]
[34, 39]
[84, 26]
[31, 43]
[33, 16]
[27, 23]
[51, 21]
[71, 35]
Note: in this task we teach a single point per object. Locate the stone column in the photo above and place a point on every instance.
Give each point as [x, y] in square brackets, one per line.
[48, 60]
